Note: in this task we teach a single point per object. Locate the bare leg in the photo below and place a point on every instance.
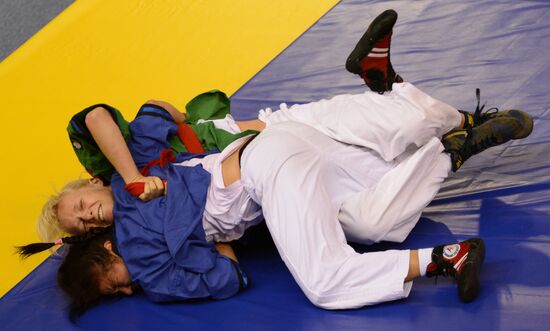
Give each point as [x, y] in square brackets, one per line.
[414, 266]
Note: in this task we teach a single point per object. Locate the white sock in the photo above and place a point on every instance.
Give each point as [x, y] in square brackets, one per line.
[424, 258]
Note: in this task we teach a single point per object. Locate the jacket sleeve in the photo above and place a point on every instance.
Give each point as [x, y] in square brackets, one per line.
[173, 270]
[150, 133]
[224, 280]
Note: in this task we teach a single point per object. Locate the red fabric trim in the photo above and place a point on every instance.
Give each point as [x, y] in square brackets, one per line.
[191, 142]
[137, 188]
[189, 139]
[377, 63]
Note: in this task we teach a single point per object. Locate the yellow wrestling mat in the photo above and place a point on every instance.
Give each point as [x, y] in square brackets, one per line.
[122, 53]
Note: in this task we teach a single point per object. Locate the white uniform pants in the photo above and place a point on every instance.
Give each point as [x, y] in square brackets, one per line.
[388, 124]
[315, 190]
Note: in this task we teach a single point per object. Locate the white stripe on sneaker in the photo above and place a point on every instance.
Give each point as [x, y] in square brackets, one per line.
[375, 49]
[377, 55]
[459, 263]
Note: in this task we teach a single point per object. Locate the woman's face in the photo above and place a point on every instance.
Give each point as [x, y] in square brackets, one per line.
[116, 280]
[87, 207]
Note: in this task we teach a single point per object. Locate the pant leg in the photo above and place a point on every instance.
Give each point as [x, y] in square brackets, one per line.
[389, 210]
[287, 171]
[387, 123]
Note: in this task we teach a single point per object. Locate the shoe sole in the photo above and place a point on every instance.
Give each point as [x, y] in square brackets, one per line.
[379, 27]
[469, 279]
[524, 119]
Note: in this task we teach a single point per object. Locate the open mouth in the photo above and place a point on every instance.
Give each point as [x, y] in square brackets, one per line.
[100, 213]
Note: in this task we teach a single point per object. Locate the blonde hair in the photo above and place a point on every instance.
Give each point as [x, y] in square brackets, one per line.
[47, 223]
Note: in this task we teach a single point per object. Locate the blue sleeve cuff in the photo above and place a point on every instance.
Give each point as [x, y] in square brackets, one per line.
[244, 282]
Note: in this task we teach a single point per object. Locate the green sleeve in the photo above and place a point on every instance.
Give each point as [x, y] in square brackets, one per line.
[210, 106]
[214, 138]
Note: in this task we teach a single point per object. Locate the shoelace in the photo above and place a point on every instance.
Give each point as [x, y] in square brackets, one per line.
[479, 116]
[481, 145]
[446, 269]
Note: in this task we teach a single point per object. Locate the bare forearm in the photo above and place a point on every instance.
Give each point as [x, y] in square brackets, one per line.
[109, 138]
[414, 266]
[111, 142]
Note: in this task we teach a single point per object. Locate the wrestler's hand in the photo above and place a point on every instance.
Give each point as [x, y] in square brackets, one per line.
[153, 187]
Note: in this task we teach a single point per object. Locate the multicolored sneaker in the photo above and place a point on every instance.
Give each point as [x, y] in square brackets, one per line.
[479, 117]
[461, 144]
[463, 262]
[370, 58]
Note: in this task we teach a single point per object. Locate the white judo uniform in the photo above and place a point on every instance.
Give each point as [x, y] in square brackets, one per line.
[355, 167]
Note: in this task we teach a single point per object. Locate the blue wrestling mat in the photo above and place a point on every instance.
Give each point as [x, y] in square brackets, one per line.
[503, 195]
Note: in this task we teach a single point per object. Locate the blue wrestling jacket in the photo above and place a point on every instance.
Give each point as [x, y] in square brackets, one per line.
[162, 241]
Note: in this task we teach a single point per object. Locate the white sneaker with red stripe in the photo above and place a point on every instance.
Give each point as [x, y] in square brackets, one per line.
[462, 261]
